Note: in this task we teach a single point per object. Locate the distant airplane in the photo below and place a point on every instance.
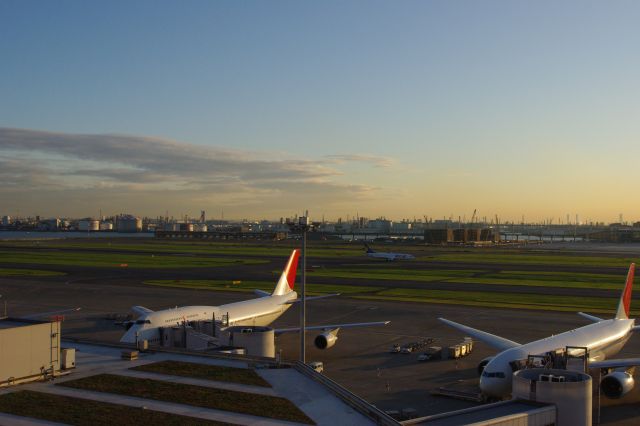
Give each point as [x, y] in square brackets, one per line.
[387, 256]
[256, 312]
[603, 339]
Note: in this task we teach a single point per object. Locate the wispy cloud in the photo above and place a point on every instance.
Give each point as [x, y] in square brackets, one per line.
[149, 173]
[375, 160]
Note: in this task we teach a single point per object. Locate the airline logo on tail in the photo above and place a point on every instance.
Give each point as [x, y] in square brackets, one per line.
[625, 299]
[288, 278]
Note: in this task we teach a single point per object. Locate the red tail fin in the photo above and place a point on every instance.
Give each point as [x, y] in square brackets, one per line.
[624, 306]
[288, 278]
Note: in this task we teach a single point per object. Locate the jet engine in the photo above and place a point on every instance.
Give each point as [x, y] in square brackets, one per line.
[326, 339]
[483, 364]
[617, 384]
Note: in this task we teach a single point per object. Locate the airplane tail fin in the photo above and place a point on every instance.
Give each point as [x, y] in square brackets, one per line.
[288, 278]
[625, 299]
[369, 249]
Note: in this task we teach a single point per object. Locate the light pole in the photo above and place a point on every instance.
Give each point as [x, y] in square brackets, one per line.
[302, 226]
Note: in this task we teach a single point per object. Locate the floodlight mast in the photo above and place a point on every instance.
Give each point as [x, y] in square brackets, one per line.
[303, 226]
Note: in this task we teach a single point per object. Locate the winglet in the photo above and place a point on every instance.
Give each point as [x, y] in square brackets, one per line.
[288, 278]
[624, 305]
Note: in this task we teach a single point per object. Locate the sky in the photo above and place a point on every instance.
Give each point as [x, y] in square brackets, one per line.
[264, 109]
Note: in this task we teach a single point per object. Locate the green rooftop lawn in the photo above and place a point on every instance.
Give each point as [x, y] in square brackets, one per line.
[199, 396]
[85, 412]
[243, 376]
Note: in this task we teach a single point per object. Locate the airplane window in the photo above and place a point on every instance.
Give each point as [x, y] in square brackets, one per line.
[143, 322]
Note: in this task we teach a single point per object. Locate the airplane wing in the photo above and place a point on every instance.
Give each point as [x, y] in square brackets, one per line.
[331, 326]
[616, 363]
[497, 342]
[590, 317]
[289, 302]
[49, 314]
[141, 310]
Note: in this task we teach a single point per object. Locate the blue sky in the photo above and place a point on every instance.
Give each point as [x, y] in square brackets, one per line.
[433, 108]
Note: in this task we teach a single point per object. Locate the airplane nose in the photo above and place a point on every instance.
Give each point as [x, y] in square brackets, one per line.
[493, 387]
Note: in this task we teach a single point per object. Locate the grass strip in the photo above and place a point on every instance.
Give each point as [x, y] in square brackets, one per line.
[392, 274]
[115, 260]
[499, 300]
[10, 272]
[220, 373]
[199, 396]
[534, 259]
[249, 286]
[160, 246]
[547, 279]
[85, 412]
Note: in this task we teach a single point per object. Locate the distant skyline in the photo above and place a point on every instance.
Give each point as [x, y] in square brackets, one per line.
[265, 109]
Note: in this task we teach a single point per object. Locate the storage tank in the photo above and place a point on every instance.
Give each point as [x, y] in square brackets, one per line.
[200, 227]
[188, 227]
[171, 227]
[129, 223]
[569, 390]
[88, 225]
[106, 226]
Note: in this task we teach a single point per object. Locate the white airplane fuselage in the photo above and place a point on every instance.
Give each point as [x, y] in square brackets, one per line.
[602, 339]
[256, 312]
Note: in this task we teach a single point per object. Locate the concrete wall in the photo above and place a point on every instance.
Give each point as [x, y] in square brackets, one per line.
[28, 350]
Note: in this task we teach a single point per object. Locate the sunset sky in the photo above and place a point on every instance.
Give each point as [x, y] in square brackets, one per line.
[267, 108]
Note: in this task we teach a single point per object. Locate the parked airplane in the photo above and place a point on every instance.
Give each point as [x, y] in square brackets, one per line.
[256, 312]
[387, 256]
[603, 339]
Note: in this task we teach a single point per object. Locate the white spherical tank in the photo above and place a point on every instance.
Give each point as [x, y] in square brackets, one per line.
[570, 391]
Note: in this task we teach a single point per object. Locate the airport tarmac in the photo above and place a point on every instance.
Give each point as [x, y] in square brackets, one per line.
[360, 360]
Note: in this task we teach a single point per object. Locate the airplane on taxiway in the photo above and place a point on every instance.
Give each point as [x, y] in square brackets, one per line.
[603, 338]
[255, 312]
[387, 256]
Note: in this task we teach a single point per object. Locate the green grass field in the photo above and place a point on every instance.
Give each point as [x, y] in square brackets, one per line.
[211, 248]
[199, 396]
[532, 259]
[380, 280]
[500, 300]
[391, 274]
[11, 272]
[115, 260]
[249, 286]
